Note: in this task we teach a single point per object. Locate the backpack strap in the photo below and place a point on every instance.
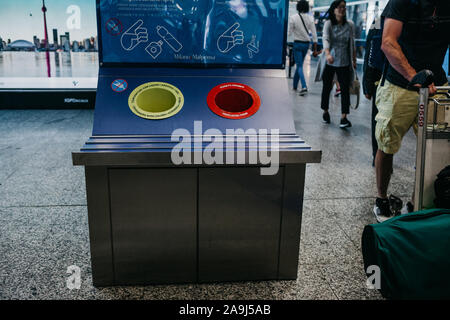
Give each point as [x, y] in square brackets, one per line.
[304, 25]
[385, 60]
[385, 67]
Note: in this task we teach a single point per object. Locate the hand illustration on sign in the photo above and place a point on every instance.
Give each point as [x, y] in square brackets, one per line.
[230, 38]
[134, 35]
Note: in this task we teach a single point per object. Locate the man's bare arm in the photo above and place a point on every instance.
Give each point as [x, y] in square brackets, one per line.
[391, 32]
[393, 51]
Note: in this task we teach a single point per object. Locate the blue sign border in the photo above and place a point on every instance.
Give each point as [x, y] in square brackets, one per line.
[282, 65]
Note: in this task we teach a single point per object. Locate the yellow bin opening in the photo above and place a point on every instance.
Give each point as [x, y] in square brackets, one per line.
[156, 100]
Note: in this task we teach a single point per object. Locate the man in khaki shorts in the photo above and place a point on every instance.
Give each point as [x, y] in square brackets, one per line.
[415, 40]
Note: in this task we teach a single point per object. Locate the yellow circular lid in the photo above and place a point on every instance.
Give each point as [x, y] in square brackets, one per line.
[156, 100]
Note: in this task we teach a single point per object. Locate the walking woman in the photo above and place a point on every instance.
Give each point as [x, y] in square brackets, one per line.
[299, 27]
[339, 48]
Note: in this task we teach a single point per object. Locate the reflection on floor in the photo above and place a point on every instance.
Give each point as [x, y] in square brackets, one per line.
[43, 213]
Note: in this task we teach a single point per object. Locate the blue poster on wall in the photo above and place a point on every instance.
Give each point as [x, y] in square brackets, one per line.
[217, 32]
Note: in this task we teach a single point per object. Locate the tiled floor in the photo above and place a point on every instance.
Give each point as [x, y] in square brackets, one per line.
[43, 213]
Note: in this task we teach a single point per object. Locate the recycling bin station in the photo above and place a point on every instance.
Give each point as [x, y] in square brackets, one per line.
[194, 171]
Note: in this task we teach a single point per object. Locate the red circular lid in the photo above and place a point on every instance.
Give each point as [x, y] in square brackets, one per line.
[233, 100]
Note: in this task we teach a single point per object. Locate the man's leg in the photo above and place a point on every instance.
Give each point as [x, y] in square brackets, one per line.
[383, 169]
[397, 110]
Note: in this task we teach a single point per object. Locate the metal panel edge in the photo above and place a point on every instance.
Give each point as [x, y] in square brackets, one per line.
[164, 158]
[291, 217]
[97, 191]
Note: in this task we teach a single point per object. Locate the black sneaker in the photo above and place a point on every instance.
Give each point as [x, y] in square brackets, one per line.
[303, 91]
[396, 204]
[326, 117]
[345, 123]
[407, 208]
[382, 209]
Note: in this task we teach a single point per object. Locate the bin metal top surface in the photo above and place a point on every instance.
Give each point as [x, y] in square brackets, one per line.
[113, 115]
[158, 150]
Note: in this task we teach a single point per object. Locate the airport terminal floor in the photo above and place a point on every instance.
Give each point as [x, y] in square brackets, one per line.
[44, 220]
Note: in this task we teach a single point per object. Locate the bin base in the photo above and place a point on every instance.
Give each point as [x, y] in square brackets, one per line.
[161, 225]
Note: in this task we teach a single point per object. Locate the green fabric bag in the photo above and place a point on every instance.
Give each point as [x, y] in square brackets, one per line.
[413, 254]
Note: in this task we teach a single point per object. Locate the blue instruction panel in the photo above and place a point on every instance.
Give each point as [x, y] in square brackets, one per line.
[212, 32]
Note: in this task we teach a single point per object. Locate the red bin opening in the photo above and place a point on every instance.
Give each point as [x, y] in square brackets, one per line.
[233, 101]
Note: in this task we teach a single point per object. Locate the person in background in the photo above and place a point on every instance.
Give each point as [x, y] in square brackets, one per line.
[371, 78]
[300, 25]
[339, 47]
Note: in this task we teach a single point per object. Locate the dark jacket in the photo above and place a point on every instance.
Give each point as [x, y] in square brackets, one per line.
[371, 75]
